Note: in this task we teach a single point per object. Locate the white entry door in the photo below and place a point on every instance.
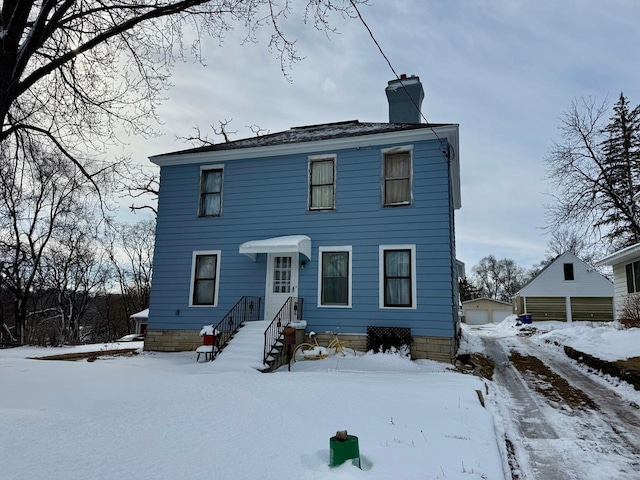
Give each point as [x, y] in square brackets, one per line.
[282, 282]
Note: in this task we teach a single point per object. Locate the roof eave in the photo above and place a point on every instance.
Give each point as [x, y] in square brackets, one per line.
[620, 256]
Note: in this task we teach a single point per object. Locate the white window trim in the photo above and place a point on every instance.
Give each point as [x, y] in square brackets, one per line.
[311, 159]
[193, 276]
[343, 248]
[414, 289]
[399, 149]
[203, 168]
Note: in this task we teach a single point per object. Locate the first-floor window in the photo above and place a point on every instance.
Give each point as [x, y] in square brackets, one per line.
[397, 276]
[205, 276]
[335, 276]
[633, 277]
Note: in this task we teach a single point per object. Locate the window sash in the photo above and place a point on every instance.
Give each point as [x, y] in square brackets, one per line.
[204, 281]
[322, 184]
[397, 278]
[335, 278]
[211, 193]
[397, 178]
[633, 277]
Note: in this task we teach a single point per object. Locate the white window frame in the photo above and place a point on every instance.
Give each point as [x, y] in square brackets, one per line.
[414, 289]
[400, 149]
[204, 168]
[331, 249]
[196, 254]
[315, 158]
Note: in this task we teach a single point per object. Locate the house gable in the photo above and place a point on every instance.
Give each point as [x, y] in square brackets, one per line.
[551, 282]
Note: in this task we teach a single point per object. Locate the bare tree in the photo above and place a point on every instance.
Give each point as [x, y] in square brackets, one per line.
[73, 272]
[38, 199]
[141, 184]
[70, 70]
[131, 254]
[594, 170]
[498, 279]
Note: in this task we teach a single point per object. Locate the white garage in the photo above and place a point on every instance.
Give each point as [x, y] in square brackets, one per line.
[481, 311]
[477, 317]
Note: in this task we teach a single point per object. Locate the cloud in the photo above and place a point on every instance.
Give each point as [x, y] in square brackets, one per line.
[504, 70]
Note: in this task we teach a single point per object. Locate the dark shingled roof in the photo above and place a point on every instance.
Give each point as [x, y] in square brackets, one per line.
[311, 133]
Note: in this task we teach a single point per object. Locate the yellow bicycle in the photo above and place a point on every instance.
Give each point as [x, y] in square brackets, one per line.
[312, 350]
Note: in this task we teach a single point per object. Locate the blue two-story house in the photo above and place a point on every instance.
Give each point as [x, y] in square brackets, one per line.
[356, 219]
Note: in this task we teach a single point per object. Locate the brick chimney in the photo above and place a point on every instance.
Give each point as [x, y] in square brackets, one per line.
[405, 99]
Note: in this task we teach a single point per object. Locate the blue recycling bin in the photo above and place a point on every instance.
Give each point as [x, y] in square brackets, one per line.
[525, 318]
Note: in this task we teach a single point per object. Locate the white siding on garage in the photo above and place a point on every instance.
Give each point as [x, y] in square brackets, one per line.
[551, 283]
[500, 315]
[477, 317]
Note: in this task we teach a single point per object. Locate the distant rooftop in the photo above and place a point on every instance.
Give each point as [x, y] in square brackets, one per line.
[309, 133]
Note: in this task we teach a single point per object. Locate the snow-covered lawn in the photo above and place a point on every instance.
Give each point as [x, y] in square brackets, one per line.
[164, 416]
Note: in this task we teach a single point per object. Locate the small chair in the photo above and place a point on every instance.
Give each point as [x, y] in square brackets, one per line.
[209, 347]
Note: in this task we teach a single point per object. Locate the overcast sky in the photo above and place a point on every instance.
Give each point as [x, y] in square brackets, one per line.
[505, 70]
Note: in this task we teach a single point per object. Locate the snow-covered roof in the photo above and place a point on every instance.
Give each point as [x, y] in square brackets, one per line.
[308, 133]
[285, 244]
[143, 315]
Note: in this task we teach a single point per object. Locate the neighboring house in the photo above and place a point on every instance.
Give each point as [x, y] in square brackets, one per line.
[356, 219]
[141, 321]
[566, 290]
[626, 275]
[485, 310]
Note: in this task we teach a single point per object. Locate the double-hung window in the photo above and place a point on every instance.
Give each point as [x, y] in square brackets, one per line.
[334, 277]
[397, 276]
[322, 176]
[210, 192]
[205, 278]
[633, 277]
[397, 176]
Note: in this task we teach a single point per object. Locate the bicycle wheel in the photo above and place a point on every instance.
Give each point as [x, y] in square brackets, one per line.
[301, 349]
[337, 346]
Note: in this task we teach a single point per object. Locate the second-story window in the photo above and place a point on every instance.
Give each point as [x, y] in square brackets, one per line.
[322, 183]
[210, 193]
[397, 178]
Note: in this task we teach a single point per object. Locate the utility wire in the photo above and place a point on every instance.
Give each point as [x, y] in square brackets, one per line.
[355, 7]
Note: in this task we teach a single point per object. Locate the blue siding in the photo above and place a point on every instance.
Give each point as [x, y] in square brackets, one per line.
[267, 197]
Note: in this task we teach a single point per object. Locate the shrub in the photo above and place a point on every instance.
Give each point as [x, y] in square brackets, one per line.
[630, 315]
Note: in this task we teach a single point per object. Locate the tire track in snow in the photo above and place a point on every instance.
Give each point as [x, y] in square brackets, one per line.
[623, 418]
[545, 450]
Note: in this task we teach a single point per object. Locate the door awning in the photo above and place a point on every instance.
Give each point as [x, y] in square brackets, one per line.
[287, 244]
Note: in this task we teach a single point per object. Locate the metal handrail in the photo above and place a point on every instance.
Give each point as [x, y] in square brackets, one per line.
[292, 309]
[246, 310]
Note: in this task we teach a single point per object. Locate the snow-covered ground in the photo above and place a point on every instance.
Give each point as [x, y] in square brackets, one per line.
[164, 416]
[596, 440]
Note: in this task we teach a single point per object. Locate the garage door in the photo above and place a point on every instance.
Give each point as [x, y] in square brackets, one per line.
[477, 317]
[500, 315]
